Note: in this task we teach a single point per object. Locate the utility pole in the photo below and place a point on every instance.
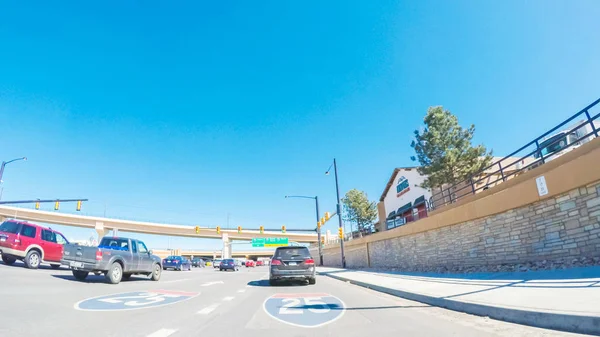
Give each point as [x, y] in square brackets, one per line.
[338, 210]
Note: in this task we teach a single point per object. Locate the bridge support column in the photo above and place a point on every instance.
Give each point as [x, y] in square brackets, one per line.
[226, 252]
[100, 230]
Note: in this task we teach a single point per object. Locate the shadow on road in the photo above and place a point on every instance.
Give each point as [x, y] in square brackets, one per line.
[97, 279]
[19, 264]
[265, 283]
[333, 306]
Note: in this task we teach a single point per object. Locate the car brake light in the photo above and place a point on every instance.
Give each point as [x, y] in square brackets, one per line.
[98, 255]
[275, 262]
[309, 261]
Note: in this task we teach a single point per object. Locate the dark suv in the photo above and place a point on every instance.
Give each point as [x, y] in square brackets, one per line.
[292, 264]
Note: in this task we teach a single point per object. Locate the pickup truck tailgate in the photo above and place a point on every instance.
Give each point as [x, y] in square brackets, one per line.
[76, 253]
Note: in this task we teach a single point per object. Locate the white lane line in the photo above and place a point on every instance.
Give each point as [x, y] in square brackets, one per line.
[162, 333]
[228, 298]
[242, 291]
[208, 309]
[211, 283]
[173, 281]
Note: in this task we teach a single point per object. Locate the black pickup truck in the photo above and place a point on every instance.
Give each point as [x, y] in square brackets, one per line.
[116, 257]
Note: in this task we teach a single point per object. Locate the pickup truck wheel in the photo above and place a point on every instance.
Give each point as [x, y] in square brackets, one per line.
[32, 259]
[126, 277]
[8, 260]
[155, 276]
[114, 274]
[80, 275]
[55, 266]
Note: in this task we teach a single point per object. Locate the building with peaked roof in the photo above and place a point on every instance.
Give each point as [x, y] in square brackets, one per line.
[403, 200]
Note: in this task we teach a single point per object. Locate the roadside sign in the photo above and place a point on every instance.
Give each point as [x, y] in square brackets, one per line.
[134, 300]
[270, 242]
[304, 310]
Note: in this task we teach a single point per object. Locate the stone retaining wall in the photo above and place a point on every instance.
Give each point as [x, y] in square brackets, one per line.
[553, 233]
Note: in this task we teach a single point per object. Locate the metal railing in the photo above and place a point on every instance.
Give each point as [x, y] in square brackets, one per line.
[505, 171]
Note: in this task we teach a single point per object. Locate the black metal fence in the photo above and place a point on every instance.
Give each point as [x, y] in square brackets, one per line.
[535, 153]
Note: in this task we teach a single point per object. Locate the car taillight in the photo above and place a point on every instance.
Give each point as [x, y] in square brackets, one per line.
[309, 261]
[275, 262]
[98, 255]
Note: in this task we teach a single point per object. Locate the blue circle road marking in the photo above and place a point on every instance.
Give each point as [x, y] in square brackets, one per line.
[134, 300]
[305, 310]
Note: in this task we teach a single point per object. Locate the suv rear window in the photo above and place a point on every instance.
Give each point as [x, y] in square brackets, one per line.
[291, 253]
[9, 227]
[28, 231]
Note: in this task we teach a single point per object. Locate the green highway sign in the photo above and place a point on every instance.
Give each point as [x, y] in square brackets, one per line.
[270, 242]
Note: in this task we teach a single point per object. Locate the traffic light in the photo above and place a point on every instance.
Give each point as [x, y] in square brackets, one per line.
[319, 224]
[197, 230]
[239, 229]
[78, 208]
[340, 232]
[322, 220]
[56, 205]
[218, 229]
[262, 229]
[322, 240]
[283, 229]
[327, 216]
[37, 205]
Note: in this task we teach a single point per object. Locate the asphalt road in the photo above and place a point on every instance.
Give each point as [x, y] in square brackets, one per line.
[206, 302]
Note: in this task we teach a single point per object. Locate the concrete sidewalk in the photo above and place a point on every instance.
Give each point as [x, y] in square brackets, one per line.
[567, 300]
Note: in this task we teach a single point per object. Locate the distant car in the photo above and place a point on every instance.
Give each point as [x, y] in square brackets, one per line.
[229, 264]
[176, 263]
[292, 264]
[250, 263]
[30, 243]
[198, 262]
[259, 263]
[216, 263]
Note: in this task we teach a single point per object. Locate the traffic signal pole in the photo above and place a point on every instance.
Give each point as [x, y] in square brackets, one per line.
[319, 233]
[339, 212]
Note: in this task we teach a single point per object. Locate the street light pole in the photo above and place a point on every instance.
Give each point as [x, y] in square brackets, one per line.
[318, 219]
[338, 209]
[4, 164]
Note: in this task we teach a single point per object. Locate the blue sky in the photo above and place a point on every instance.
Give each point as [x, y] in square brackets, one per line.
[187, 112]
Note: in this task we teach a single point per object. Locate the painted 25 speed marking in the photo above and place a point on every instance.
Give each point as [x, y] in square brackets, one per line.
[134, 300]
[305, 310]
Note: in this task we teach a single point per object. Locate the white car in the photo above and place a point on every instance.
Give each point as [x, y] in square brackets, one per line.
[216, 263]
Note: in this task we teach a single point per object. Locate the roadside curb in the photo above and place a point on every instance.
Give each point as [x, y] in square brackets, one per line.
[563, 322]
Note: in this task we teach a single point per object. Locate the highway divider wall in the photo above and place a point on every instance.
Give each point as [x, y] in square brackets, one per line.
[508, 227]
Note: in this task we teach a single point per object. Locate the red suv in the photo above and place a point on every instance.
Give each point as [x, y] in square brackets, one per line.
[30, 243]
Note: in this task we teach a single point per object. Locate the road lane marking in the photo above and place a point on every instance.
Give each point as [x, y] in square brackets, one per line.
[303, 309]
[174, 281]
[241, 290]
[208, 309]
[162, 333]
[134, 300]
[228, 298]
[211, 283]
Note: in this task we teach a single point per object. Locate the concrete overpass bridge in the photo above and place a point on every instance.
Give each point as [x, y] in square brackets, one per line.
[103, 225]
[211, 254]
